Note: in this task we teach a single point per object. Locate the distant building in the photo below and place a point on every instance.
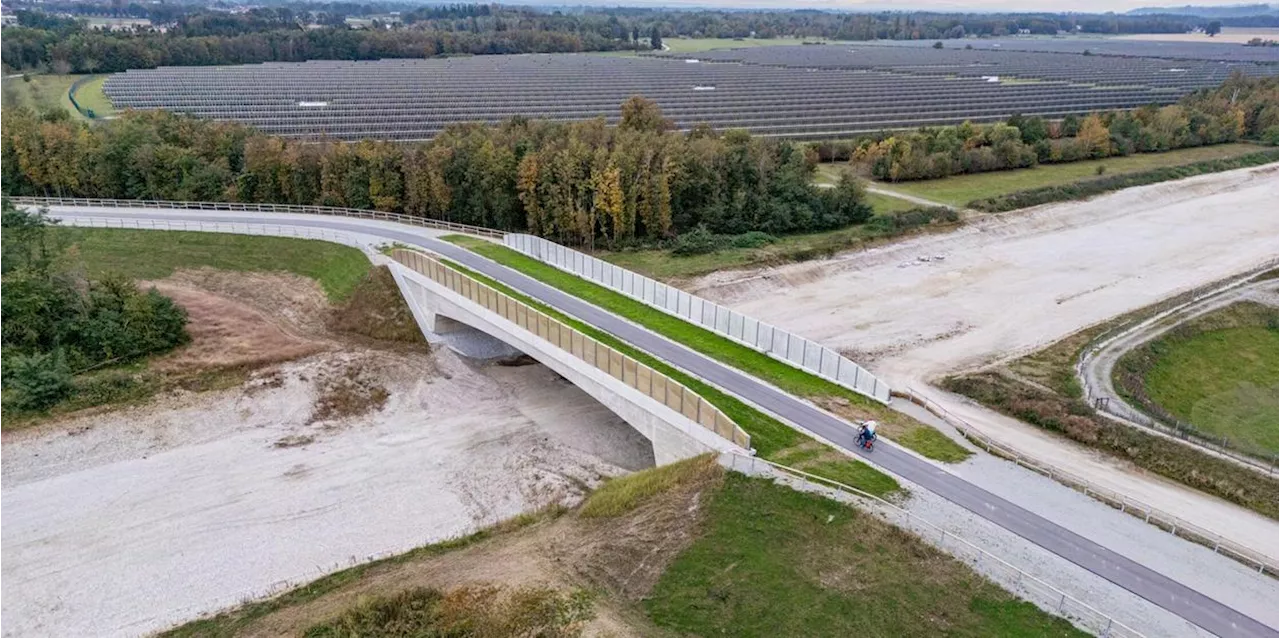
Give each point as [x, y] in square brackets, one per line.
[8, 20]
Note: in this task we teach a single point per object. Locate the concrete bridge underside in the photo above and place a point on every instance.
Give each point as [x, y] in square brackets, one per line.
[442, 315]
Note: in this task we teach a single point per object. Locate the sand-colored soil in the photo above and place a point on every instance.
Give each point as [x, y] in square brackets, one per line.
[1009, 284]
[123, 522]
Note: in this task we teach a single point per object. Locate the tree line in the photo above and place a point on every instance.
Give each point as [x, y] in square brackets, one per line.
[58, 324]
[1241, 108]
[581, 182]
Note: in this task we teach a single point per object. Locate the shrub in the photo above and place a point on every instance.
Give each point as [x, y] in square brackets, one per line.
[38, 381]
[1271, 135]
[1102, 168]
[753, 239]
[698, 241]
[937, 45]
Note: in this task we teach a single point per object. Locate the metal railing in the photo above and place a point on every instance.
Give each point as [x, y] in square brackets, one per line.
[1128, 505]
[423, 222]
[1041, 593]
[779, 344]
[636, 375]
[238, 228]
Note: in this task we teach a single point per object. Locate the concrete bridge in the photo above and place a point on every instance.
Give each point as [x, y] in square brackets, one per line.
[679, 423]
[441, 307]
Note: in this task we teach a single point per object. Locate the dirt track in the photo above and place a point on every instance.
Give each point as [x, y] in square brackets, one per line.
[1010, 284]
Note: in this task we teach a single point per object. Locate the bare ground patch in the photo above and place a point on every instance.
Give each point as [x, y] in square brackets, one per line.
[624, 556]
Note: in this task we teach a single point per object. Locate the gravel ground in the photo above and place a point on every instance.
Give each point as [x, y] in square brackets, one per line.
[131, 521]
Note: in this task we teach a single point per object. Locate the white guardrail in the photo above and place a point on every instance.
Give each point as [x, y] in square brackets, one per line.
[263, 208]
[1132, 506]
[237, 228]
[776, 342]
[1037, 591]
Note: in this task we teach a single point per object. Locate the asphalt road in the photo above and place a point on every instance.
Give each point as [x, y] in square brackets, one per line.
[1182, 601]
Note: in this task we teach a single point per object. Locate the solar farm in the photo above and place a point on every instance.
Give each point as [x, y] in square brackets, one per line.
[796, 92]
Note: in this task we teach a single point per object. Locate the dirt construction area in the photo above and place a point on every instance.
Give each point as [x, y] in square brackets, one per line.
[1008, 284]
[335, 450]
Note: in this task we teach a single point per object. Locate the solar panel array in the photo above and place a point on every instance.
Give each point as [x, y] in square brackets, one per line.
[798, 92]
[1205, 49]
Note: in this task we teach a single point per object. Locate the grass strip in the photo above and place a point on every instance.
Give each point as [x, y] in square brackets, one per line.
[920, 437]
[777, 562]
[769, 436]
[1089, 188]
[1215, 375]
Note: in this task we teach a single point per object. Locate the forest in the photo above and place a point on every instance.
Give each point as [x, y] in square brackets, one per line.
[1241, 108]
[579, 182]
[296, 32]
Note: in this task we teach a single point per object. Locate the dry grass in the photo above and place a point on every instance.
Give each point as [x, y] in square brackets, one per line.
[377, 310]
[466, 612]
[347, 392]
[227, 333]
[1075, 420]
[623, 494]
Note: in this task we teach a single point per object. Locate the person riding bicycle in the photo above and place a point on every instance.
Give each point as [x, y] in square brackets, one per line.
[867, 433]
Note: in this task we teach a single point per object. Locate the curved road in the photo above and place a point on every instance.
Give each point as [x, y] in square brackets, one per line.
[1182, 601]
[1095, 374]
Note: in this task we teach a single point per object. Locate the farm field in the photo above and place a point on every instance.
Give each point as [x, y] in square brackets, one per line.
[1220, 375]
[795, 92]
[959, 190]
[1229, 35]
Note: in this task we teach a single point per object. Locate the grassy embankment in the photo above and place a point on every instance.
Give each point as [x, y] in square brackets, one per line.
[91, 97]
[341, 271]
[156, 254]
[960, 190]
[732, 556]
[1217, 373]
[896, 426]
[50, 92]
[772, 439]
[1057, 405]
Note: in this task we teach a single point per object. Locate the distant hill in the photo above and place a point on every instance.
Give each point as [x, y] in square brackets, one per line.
[1232, 11]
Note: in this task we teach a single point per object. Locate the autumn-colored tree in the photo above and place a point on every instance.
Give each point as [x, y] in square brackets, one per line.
[607, 200]
[1094, 136]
